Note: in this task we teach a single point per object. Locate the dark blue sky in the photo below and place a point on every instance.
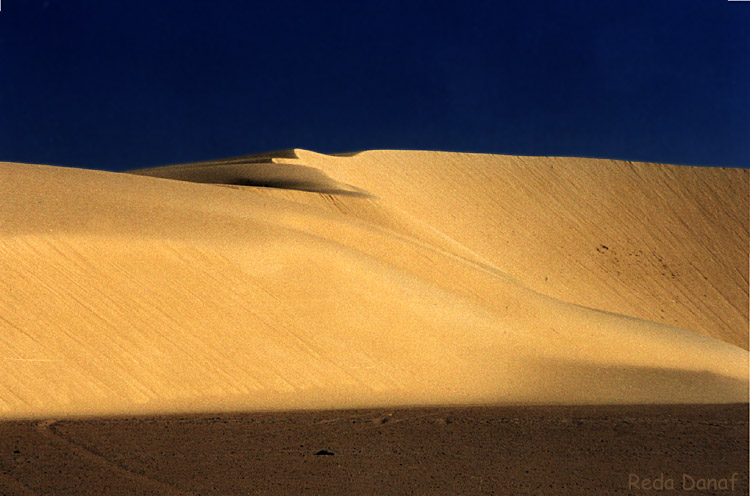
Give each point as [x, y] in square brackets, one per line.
[125, 84]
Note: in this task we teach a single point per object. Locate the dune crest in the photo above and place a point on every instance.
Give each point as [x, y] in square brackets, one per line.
[301, 280]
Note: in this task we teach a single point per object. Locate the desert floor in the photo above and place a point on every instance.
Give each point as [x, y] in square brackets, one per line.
[498, 450]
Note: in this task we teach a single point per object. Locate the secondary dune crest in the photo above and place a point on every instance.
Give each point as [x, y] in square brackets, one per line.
[256, 170]
[373, 279]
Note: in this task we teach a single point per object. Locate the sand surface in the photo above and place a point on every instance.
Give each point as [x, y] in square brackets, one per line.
[574, 450]
[298, 280]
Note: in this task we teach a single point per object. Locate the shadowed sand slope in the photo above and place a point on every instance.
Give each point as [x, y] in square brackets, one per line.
[300, 280]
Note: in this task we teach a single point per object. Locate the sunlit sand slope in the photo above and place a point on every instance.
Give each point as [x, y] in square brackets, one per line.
[388, 278]
[659, 242]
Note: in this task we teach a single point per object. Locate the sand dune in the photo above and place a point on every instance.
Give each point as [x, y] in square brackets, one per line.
[300, 280]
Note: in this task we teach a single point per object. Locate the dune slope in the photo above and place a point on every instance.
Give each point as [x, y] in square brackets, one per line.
[300, 280]
[660, 242]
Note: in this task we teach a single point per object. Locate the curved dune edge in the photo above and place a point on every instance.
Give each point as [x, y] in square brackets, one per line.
[317, 286]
